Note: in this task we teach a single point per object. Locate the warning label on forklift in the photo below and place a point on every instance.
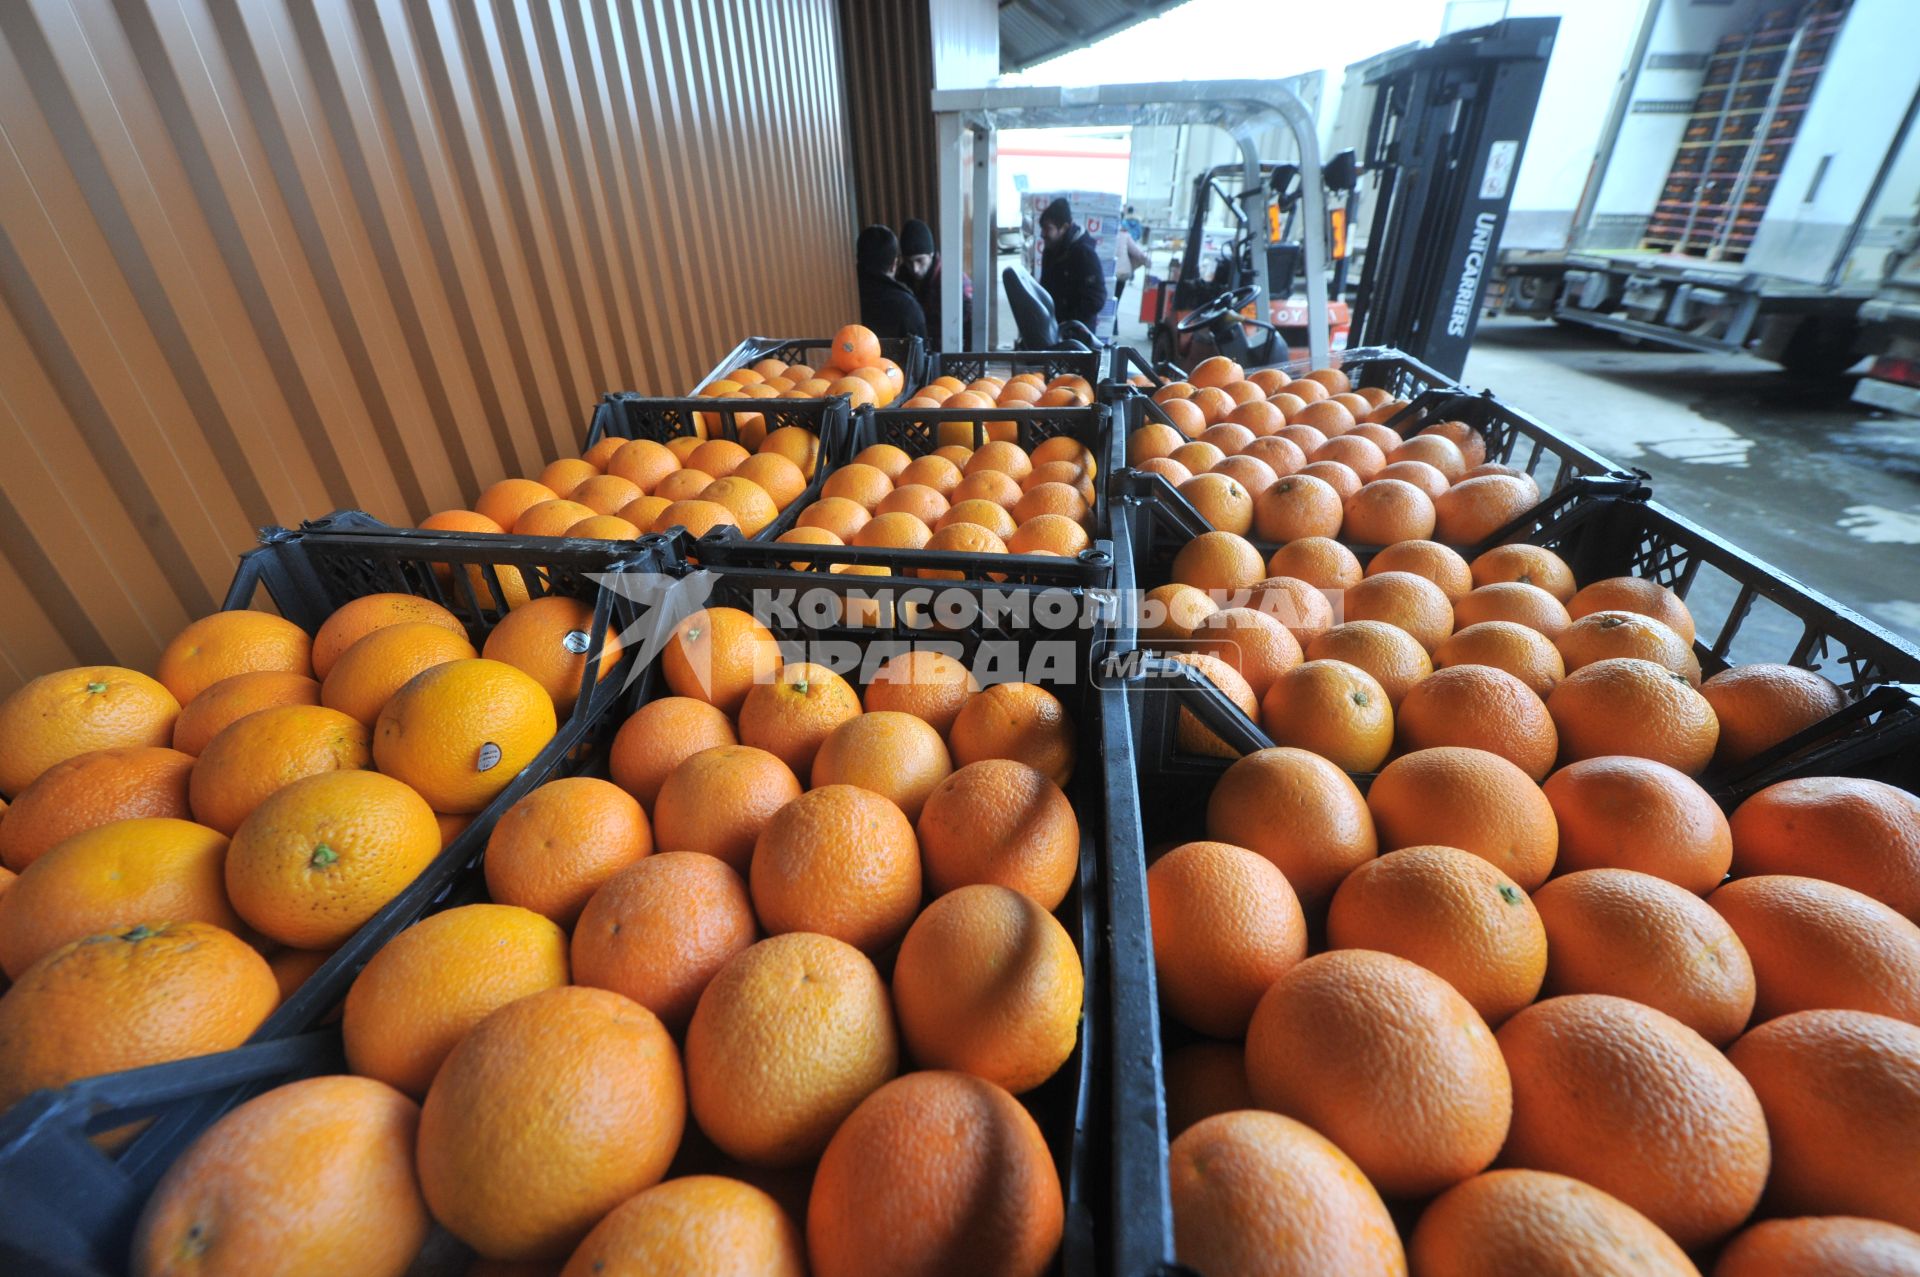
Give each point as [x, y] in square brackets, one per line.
[1499, 174]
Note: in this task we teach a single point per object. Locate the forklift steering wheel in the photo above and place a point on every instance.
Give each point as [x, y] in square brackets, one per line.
[1208, 313]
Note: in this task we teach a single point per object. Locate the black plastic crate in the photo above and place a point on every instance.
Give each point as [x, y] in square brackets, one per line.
[1399, 374]
[65, 1206]
[814, 352]
[971, 365]
[916, 432]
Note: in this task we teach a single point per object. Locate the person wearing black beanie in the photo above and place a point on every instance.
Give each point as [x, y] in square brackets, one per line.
[886, 305]
[1069, 268]
[920, 266]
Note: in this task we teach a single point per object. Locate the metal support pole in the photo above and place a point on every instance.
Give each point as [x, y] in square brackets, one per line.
[983, 255]
[950, 137]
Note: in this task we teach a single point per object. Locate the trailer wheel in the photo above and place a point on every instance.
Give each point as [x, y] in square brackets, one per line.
[1821, 348]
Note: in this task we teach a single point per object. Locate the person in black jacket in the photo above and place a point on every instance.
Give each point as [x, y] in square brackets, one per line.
[920, 266]
[1069, 269]
[886, 305]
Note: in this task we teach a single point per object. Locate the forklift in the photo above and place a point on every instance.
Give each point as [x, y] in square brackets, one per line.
[1197, 315]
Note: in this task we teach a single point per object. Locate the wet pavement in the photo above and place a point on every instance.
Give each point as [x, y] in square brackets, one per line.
[1795, 474]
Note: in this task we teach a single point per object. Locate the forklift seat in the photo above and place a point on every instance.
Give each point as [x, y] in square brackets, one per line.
[1033, 316]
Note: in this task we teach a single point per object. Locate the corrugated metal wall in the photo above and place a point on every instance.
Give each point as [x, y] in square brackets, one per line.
[261, 259]
[889, 60]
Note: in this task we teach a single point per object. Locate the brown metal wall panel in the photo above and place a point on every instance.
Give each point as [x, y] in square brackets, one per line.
[262, 259]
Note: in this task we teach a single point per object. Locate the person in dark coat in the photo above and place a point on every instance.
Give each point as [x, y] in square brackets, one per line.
[920, 267]
[886, 305]
[1069, 269]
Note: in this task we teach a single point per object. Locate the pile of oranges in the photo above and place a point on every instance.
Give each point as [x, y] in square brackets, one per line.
[814, 922]
[999, 498]
[1260, 454]
[621, 488]
[183, 850]
[1510, 992]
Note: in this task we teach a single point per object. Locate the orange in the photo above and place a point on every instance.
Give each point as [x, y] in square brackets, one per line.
[1229, 437]
[1328, 833]
[1332, 380]
[1470, 799]
[797, 444]
[1259, 417]
[940, 473]
[854, 347]
[1255, 475]
[840, 861]
[606, 527]
[1226, 925]
[1216, 371]
[1438, 564]
[1634, 813]
[1837, 1088]
[1391, 655]
[643, 463]
[1336, 710]
[236, 697]
[1863, 834]
[508, 499]
[982, 485]
[602, 452]
[1411, 602]
[864, 485]
[1173, 390]
[936, 1172]
[807, 536]
[928, 684]
[1474, 509]
[553, 849]
[367, 674]
[694, 1224]
[1541, 1224]
[1508, 646]
[459, 521]
[515, 1175]
[1809, 1247]
[1636, 936]
[1214, 403]
[1254, 645]
[1418, 473]
[1452, 913]
[1298, 505]
[1527, 564]
[1172, 611]
[1387, 510]
[325, 854]
[112, 876]
[354, 621]
[990, 515]
[698, 517]
[121, 999]
[267, 750]
[1019, 721]
[641, 512]
[1634, 594]
[1300, 607]
[1202, 1079]
[1388, 1061]
[452, 825]
[898, 531]
[89, 790]
[551, 518]
[1817, 945]
[1600, 636]
[898, 756]
[752, 509]
[228, 643]
[1362, 456]
[1442, 453]
[1261, 1193]
[1282, 456]
[548, 638]
[1003, 822]
[775, 475]
[1471, 443]
[1761, 705]
[987, 982]
[717, 654]
[786, 1040]
[917, 501]
[1627, 706]
[292, 968]
[1068, 449]
[430, 985]
[683, 485]
[717, 457]
[1218, 561]
[718, 800]
[999, 454]
[1515, 601]
[1483, 708]
[606, 494]
[1638, 1105]
[837, 515]
[1062, 500]
[790, 716]
[460, 732]
[1194, 737]
[314, 1176]
[1187, 418]
[1305, 438]
[660, 929]
[1333, 418]
[76, 711]
[1049, 534]
[1321, 562]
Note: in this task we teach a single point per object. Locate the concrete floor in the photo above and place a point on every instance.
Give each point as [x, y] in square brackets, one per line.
[1824, 489]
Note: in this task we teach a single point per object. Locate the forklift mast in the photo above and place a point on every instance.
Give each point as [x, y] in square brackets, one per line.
[1448, 131]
